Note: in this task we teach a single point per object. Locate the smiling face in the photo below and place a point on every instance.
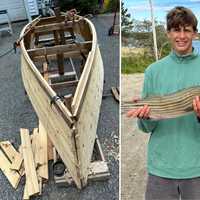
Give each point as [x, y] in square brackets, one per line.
[181, 39]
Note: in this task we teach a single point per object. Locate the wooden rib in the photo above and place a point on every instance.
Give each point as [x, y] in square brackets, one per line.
[55, 26]
[45, 69]
[11, 175]
[167, 106]
[29, 163]
[69, 75]
[71, 54]
[29, 29]
[60, 58]
[49, 20]
[59, 49]
[63, 84]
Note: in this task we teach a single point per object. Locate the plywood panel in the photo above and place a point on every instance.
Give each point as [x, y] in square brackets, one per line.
[89, 115]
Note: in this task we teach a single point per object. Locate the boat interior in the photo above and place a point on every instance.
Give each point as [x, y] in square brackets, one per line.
[59, 49]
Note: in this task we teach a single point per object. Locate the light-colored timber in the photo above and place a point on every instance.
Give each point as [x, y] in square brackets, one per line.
[172, 105]
[12, 175]
[70, 123]
[29, 164]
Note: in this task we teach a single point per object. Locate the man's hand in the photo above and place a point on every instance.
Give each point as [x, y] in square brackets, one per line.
[142, 112]
[196, 105]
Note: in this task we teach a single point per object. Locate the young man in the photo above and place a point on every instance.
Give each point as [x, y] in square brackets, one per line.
[174, 145]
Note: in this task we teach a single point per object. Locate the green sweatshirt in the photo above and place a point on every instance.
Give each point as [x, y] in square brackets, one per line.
[174, 145]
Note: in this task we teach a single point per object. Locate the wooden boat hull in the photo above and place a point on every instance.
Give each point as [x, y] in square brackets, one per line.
[72, 131]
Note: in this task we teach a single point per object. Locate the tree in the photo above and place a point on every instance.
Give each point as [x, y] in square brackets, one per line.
[143, 37]
[82, 6]
[126, 22]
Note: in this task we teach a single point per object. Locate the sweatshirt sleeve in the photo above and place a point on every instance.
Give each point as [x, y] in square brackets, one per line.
[147, 125]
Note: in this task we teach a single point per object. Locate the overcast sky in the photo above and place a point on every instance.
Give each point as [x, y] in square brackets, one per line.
[140, 9]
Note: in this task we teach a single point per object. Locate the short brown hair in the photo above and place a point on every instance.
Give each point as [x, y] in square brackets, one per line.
[181, 16]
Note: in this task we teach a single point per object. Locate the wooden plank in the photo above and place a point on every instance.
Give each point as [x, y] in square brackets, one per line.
[26, 195]
[60, 58]
[13, 155]
[66, 74]
[42, 153]
[17, 163]
[50, 149]
[49, 20]
[97, 170]
[63, 84]
[71, 54]
[115, 93]
[45, 69]
[88, 118]
[55, 26]
[59, 49]
[29, 163]
[12, 176]
[21, 170]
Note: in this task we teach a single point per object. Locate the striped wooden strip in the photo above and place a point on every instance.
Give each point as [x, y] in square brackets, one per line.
[166, 106]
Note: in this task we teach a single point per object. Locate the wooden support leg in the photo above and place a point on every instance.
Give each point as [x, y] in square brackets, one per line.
[60, 57]
[98, 169]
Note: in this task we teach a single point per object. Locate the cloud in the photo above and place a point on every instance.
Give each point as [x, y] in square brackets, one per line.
[195, 0]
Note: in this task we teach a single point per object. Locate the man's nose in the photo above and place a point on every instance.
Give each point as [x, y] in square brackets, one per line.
[182, 33]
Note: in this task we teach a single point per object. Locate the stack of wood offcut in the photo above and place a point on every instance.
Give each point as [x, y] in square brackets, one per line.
[30, 160]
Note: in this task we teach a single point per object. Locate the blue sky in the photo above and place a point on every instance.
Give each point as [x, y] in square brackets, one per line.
[139, 9]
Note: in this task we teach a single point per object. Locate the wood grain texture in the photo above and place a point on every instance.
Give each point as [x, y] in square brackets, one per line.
[12, 176]
[29, 163]
[88, 120]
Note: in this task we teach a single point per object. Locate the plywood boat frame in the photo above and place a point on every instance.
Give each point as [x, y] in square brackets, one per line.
[70, 124]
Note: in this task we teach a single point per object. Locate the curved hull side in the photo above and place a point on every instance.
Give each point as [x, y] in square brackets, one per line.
[56, 127]
[89, 114]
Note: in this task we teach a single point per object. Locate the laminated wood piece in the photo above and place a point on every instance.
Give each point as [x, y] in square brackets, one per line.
[12, 175]
[29, 163]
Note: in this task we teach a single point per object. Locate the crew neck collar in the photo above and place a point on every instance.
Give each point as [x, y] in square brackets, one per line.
[180, 57]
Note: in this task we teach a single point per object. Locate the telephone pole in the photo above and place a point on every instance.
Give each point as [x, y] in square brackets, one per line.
[154, 31]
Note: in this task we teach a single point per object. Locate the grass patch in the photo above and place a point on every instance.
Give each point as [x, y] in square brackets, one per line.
[136, 63]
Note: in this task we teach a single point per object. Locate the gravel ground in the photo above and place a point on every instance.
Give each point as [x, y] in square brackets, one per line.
[16, 112]
[133, 145]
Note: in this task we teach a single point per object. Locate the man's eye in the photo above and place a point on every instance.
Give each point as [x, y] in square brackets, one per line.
[187, 30]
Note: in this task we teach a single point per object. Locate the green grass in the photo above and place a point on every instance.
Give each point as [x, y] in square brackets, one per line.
[136, 63]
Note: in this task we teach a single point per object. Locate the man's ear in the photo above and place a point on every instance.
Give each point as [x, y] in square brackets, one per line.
[195, 35]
